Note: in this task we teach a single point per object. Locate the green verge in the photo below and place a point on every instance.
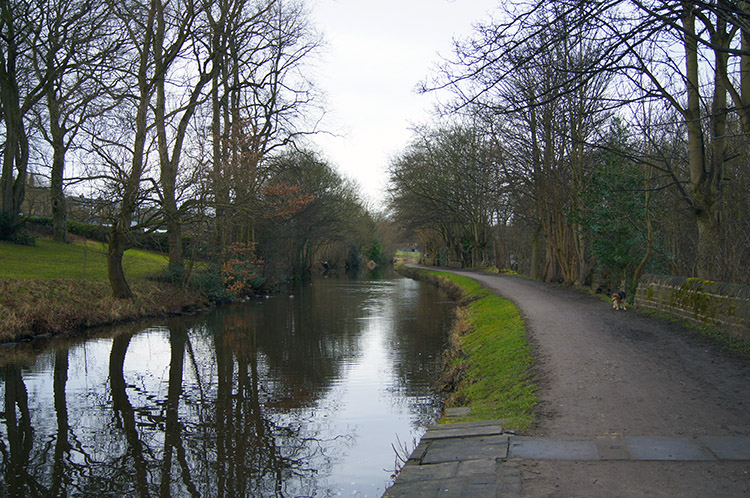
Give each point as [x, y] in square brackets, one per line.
[489, 365]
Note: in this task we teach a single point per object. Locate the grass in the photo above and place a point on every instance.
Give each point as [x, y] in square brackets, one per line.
[489, 363]
[54, 287]
[34, 307]
[407, 256]
[80, 260]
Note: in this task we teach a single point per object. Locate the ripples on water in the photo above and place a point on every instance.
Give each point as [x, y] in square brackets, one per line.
[299, 395]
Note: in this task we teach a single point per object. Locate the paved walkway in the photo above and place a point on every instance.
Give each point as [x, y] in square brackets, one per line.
[478, 459]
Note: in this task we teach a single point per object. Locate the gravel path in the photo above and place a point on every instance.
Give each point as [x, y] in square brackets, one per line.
[606, 372]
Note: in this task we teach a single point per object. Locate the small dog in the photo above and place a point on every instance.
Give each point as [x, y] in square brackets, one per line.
[618, 300]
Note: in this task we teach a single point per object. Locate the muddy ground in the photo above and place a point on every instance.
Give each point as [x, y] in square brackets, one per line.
[606, 372]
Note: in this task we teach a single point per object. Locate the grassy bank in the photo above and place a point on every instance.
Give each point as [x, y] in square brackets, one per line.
[79, 260]
[52, 287]
[488, 366]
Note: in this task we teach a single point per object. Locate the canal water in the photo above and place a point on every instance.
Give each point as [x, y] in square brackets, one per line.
[313, 393]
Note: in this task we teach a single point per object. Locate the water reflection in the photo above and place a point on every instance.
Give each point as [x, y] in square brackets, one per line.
[298, 395]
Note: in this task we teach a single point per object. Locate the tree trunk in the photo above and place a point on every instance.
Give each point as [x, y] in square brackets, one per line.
[16, 146]
[709, 247]
[534, 270]
[57, 196]
[120, 287]
[132, 182]
[15, 160]
[649, 226]
[704, 179]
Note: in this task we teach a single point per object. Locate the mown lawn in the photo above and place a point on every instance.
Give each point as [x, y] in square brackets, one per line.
[54, 260]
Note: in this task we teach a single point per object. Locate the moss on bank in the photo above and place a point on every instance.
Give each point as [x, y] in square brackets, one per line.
[488, 364]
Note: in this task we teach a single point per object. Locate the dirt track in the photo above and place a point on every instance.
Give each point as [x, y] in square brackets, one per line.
[603, 372]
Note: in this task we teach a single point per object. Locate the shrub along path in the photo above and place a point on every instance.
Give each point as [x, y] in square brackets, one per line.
[603, 373]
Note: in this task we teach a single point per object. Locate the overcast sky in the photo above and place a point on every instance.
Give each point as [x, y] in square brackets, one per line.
[375, 54]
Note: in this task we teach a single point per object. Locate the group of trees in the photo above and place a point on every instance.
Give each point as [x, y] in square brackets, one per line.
[182, 109]
[613, 136]
[447, 186]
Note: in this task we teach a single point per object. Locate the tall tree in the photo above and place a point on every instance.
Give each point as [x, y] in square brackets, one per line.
[258, 97]
[526, 76]
[448, 180]
[138, 20]
[177, 45]
[73, 58]
[20, 91]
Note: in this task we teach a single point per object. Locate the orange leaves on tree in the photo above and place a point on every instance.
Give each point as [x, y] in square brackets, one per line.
[282, 200]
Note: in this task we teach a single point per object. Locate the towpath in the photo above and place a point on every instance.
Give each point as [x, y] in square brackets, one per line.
[630, 405]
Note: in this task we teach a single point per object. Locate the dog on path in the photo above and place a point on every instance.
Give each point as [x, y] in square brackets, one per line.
[618, 300]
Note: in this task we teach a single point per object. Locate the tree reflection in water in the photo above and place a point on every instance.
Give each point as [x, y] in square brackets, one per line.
[224, 404]
[18, 442]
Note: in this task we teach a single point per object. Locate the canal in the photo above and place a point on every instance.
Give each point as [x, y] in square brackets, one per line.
[300, 394]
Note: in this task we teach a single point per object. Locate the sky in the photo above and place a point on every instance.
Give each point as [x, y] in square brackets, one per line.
[374, 55]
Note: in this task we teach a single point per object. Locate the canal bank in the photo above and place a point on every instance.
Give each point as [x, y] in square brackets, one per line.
[629, 406]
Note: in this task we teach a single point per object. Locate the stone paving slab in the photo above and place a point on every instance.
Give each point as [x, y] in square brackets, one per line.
[482, 467]
[667, 448]
[532, 448]
[465, 429]
[728, 447]
[474, 460]
[446, 470]
[457, 449]
[465, 425]
[611, 448]
[445, 488]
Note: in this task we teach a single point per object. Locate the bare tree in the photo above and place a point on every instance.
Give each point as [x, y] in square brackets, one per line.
[20, 91]
[72, 58]
[448, 180]
[178, 46]
[688, 56]
[528, 79]
[258, 96]
[138, 21]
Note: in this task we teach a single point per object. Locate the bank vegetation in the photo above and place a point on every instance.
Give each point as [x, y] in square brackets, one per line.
[488, 364]
[52, 288]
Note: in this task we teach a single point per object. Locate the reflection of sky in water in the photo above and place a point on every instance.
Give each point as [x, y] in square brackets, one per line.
[361, 383]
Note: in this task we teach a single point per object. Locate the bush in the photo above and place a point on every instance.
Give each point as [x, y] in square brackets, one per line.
[14, 231]
[88, 231]
[242, 270]
[172, 274]
[209, 283]
[23, 238]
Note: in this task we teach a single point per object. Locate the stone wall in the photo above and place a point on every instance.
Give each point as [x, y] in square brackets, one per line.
[722, 306]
